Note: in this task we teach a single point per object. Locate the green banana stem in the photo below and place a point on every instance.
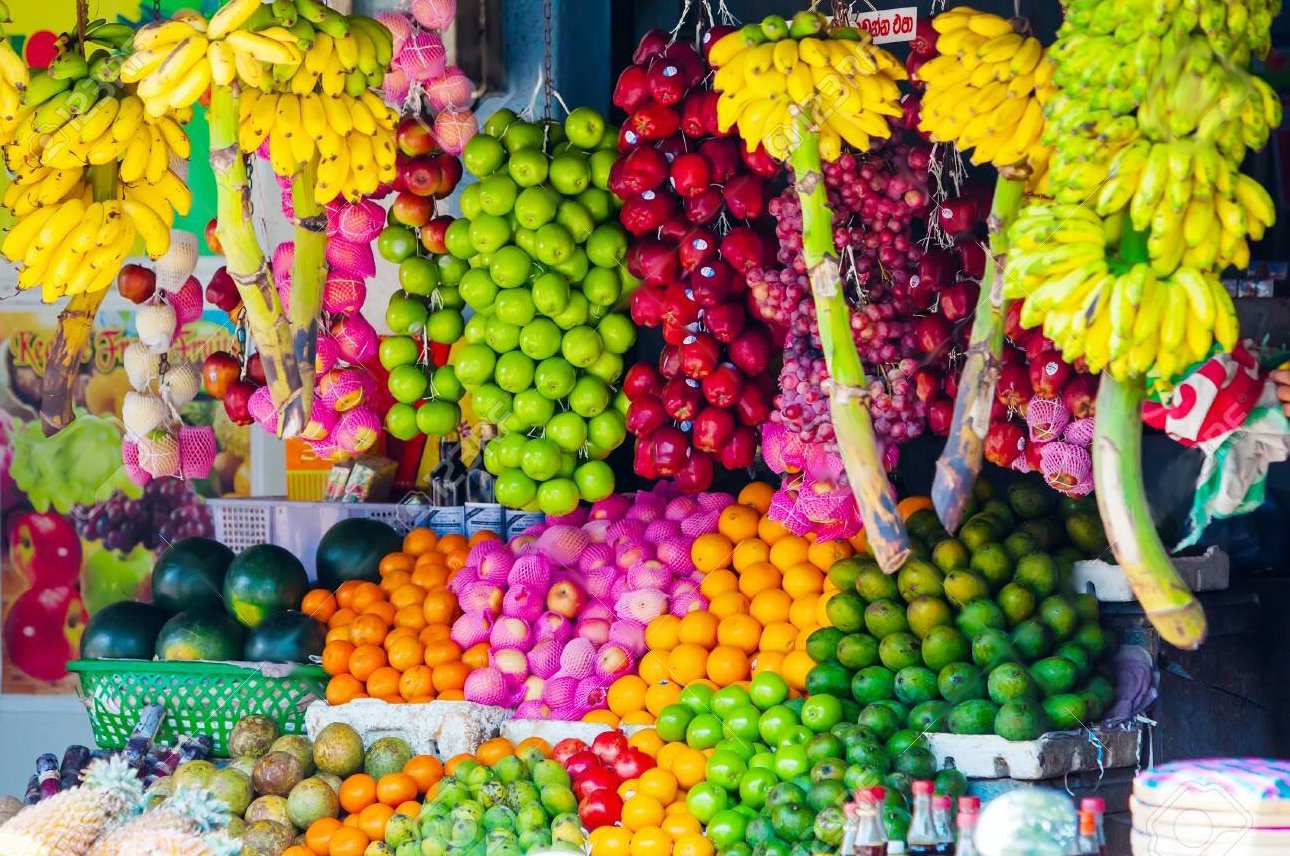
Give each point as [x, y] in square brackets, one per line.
[308, 270]
[960, 461]
[886, 533]
[247, 265]
[1122, 500]
[75, 324]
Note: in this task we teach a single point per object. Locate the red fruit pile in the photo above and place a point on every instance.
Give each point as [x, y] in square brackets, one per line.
[694, 200]
[597, 771]
[425, 173]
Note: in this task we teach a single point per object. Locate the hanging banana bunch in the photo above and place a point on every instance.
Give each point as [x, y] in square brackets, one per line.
[803, 89]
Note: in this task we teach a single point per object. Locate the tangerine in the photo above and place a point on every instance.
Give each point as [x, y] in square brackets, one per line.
[770, 530]
[659, 784]
[318, 835]
[758, 494]
[610, 840]
[417, 683]
[492, 751]
[348, 841]
[728, 604]
[711, 551]
[602, 717]
[802, 613]
[534, 743]
[780, 636]
[759, 577]
[823, 554]
[365, 660]
[476, 656]
[802, 579]
[383, 609]
[335, 657]
[406, 652]
[372, 819]
[319, 603]
[650, 841]
[727, 664]
[659, 695]
[698, 627]
[441, 651]
[410, 616]
[345, 592]
[741, 631]
[439, 607]
[344, 688]
[368, 629]
[395, 580]
[395, 788]
[648, 741]
[627, 694]
[420, 541]
[797, 665]
[425, 770]
[450, 676]
[719, 582]
[738, 522]
[749, 552]
[357, 792]
[642, 810]
[384, 683]
[663, 633]
[770, 606]
[653, 667]
[687, 662]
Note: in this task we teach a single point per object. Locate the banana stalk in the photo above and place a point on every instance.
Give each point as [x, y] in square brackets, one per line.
[886, 533]
[308, 269]
[75, 324]
[960, 461]
[248, 267]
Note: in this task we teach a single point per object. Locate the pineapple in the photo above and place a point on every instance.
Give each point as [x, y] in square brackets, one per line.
[179, 822]
[67, 824]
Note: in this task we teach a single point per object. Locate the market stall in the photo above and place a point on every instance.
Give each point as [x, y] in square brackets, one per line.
[755, 466]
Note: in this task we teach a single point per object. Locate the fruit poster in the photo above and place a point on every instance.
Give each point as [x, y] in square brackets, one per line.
[75, 533]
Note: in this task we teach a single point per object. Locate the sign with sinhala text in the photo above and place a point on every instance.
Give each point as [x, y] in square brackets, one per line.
[889, 25]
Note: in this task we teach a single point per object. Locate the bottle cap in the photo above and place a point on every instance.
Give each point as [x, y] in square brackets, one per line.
[1093, 804]
[1087, 822]
[923, 787]
[942, 802]
[871, 795]
[970, 804]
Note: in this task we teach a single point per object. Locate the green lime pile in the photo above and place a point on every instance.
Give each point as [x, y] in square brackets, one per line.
[537, 257]
[976, 634]
[520, 804]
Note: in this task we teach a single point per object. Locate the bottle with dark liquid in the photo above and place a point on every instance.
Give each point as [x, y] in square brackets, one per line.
[32, 794]
[47, 775]
[447, 477]
[1097, 805]
[189, 749]
[924, 839]
[75, 759]
[1087, 844]
[968, 808]
[943, 819]
[140, 741]
[865, 834]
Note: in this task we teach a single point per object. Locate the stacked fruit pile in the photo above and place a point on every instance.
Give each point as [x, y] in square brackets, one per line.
[694, 201]
[167, 511]
[392, 640]
[984, 634]
[208, 604]
[544, 270]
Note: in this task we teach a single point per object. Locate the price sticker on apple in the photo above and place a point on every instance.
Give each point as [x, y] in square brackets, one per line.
[889, 25]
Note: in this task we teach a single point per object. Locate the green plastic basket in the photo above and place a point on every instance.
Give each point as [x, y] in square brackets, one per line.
[200, 697]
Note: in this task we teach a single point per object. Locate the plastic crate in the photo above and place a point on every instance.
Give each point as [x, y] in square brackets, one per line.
[298, 526]
[199, 697]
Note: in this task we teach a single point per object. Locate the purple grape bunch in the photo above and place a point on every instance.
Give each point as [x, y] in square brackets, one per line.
[168, 510]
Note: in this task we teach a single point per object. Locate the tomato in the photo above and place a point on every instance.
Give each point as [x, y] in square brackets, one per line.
[600, 808]
[704, 800]
[608, 745]
[755, 784]
[578, 763]
[567, 748]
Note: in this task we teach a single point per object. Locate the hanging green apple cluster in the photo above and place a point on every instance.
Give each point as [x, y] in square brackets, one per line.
[538, 258]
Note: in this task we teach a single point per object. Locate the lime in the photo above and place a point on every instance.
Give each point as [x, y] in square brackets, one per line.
[727, 699]
[418, 275]
[558, 497]
[725, 769]
[405, 314]
[616, 331]
[397, 351]
[726, 828]
[741, 722]
[550, 293]
[822, 712]
[950, 555]
[570, 174]
[607, 430]
[602, 286]
[552, 245]
[766, 690]
[589, 397]
[407, 383]
[401, 421]
[704, 800]
[532, 408]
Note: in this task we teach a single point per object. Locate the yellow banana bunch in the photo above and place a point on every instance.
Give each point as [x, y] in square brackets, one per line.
[71, 247]
[14, 77]
[847, 85]
[986, 90]
[169, 64]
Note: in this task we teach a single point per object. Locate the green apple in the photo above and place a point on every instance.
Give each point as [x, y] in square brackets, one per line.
[555, 379]
[514, 372]
[540, 339]
[457, 239]
[474, 365]
[601, 203]
[576, 266]
[489, 233]
[617, 332]
[514, 306]
[553, 244]
[608, 367]
[602, 161]
[550, 293]
[568, 430]
[607, 429]
[557, 497]
[401, 421]
[523, 135]
[510, 266]
[595, 480]
[451, 268]
[532, 409]
[497, 123]
[447, 297]
[540, 459]
[482, 155]
[570, 174]
[584, 127]
[528, 168]
[408, 383]
[510, 448]
[396, 243]
[445, 326]
[497, 194]
[607, 245]
[478, 289]
[469, 202]
[536, 206]
[525, 239]
[589, 396]
[577, 219]
[405, 314]
[575, 314]
[601, 286]
[514, 489]
[476, 332]
[581, 346]
[444, 384]
[491, 403]
[438, 418]
[398, 351]
[502, 337]
[568, 463]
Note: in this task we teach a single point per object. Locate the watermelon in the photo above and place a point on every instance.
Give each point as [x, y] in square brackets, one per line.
[286, 637]
[262, 580]
[190, 575]
[201, 634]
[353, 549]
[125, 630]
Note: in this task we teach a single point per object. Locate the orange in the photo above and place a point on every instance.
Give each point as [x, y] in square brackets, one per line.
[860, 541]
[627, 694]
[687, 662]
[425, 770]
[719, 582]
[662, 634]
[345, 592]
[416, 683]
[650, 841]
[335, 657]
[492, 751]
[646, 740]
[408, 808]
[802, 579]
[452, 695]
[430, 576]
[603, 717]
[476, 656]
[711, 551]
[659, 784]
[384, 683]
[610, 840]
[419, 541]
[348, 841]
[319, 603]
[534, 743]
[365, 595]
[789, 551]
[297, 850]
[823, 554]
[757, 494]
[394, 788]
[442, 651]
[450, 766]
[821, 607]
[408, 593]
[641, 811]
[439, 607]
[637, 717]
[395, 580]
[698, 628]
[770, 605]
[392, 562]
[372, 820]
[383, 609]
[759, 577]
[368, 629]
[395, 635]
[483, 535]
[680, 823]
[910, 504]
[457, 559]
[802, 613]
[749, 552]
[406, 652]
[770, 531]
[659, 695]
[780, 636]
[653, 667]
[452, 542]
[343, 617]
[357, 792]
[318, 835]
[338, 634]
[667, 752]
[343, 688]
[450, 676]
[727, 664]
[738, 522]
[692, 844]
[740, 631]
[768, 661]
[728, 604]
[365, 660]
[797, 665]
[410, 616]
[432, 633]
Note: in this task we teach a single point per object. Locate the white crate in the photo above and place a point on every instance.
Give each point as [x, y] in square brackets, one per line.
[1058, 753]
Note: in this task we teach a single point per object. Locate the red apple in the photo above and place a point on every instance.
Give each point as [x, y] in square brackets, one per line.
[959, 300]
[924, 42]
[697, 473]
[674, 230]
[641, 379]
[723, 386]
[687, 60]
[632, 88]
[1049, 374]
[669, 361]
[1013, 387]
[653, 121]
[742, 248]
[667, 82]
[643, 457]
[136, 283]
[412, 210]
[940, 414]
[415, 137]
[1012, 321]
[450, 172]
[725, 321]
[753, 406]
[255, 369]
[957, 216]
[1080, 396]
[647, 305]
[669, 448]
[704, 208]
[760, 161]
[675, 334]
[712, 283]
[751, 350]
[740, 450]
[646, 212]
[1003, 443]
[645, 415]
[237, 399]
[971, 258]
[679, 308]
[933, 333]
[698, 246]
[219, 371]
[929, 383]
[433, 234]
[653, 261]
[421, 176]
[652, 44]
[691, 174]
[698, 114]
[682, 398]
[644, 169]
[222, 291]
[712, 35]
[699, 355]
[712, 428]
[722, 156]
[745, 196]
[212, 237]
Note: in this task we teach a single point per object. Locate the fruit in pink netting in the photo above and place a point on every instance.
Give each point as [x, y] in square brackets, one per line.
[630, 635]
[508, 632]
[471, 629]
[533, 709]
[486, 686]
[565, 598]
[534, 688]
[496, 566]
[650, 573]
[578, 657]
[512, 663]
[592, 693]
[544, 658]
[559, 692]
[594, 630]
[599, 580]
[643, 605]
[633, 549]
[482, 597]
[613, 660]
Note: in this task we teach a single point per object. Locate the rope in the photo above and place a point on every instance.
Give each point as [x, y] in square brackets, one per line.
[548, 81]
[82, 20]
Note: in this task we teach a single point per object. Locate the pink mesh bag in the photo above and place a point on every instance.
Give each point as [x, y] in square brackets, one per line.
[1064, 465]
[196, 451]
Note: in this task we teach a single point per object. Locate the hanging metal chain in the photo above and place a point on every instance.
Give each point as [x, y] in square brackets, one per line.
[548, 80]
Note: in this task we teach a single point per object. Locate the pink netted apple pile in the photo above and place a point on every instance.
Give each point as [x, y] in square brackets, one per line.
[694, 201]
[564, 606]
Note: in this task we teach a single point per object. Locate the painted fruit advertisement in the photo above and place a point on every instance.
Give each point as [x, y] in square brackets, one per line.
[75, 533]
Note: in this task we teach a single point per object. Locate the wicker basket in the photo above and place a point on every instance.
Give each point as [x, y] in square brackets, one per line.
[200, 697]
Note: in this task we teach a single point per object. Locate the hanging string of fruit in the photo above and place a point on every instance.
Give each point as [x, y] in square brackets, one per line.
[801, 90]
[1156, 109]
[694, 201]
[985, 93]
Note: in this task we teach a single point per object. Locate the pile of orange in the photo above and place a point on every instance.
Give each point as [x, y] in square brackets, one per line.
[390, 640]
[767, 589]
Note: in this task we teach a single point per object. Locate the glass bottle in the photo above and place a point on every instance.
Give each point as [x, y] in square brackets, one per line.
[1097, 805]
[189, 749]
[1086, 843]
[446, 477]
[75, 759]
[923, 839]
[967, 827]
[943, 820]
[47, 775]
[140, 741]
[865, 834]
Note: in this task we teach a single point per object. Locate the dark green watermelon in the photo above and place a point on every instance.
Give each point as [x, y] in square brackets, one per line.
[353, 549]
[125, 630]
[201, 634]
[263, 580]
[286, 637]
[190, 575]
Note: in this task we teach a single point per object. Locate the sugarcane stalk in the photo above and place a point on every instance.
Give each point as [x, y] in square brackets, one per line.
[848, 396]
[308, 270]
[248, 267]
[960, 461]
[75, 323]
